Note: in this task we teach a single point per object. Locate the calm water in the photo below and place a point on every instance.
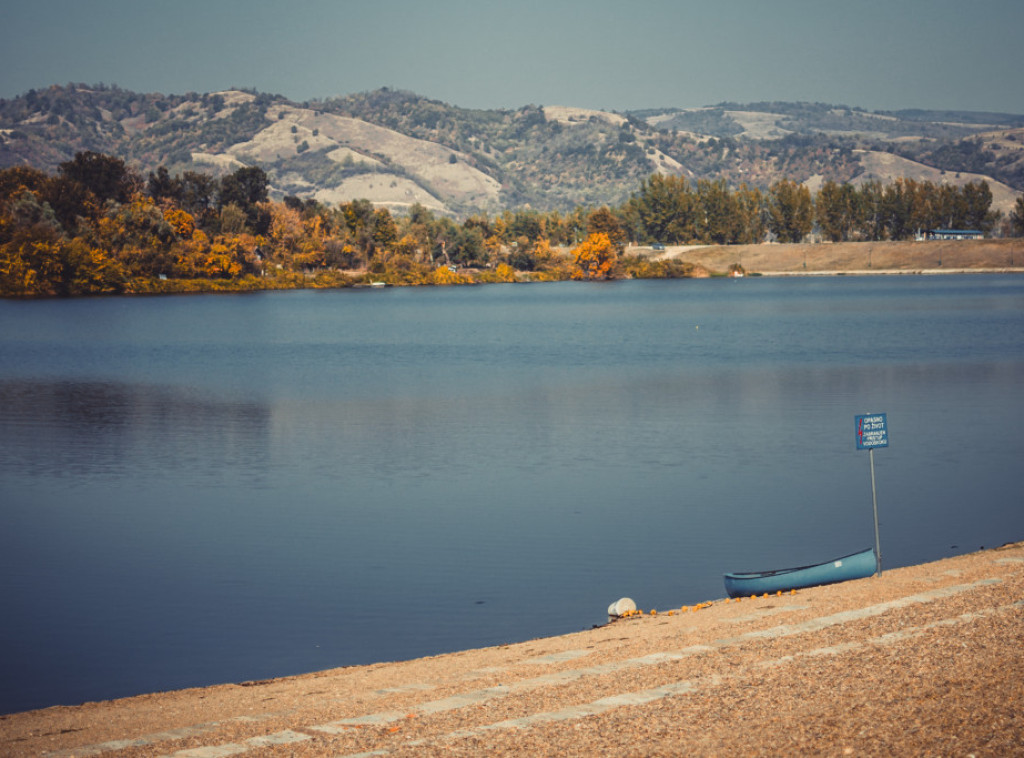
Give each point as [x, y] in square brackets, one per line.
[206, 489]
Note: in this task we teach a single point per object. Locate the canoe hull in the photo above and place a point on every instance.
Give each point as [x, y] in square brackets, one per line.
[853, 566]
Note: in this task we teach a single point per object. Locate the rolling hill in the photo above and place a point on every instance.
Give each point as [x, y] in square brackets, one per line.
[398, 148]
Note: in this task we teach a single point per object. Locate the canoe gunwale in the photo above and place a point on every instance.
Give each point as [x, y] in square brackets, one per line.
[853, 566]
[777, 572]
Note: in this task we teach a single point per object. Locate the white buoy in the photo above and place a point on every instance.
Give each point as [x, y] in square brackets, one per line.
[621, 606]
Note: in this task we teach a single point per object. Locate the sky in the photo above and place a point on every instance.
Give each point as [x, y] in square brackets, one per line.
[626, 55]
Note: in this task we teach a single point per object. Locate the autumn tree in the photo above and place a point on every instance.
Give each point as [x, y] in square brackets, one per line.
[286, 229]
[181, 222]
[89, 270]
[30, 239]
[442, 275]
[594, 258]
[139, 235]
[544, 256]
[16, 180]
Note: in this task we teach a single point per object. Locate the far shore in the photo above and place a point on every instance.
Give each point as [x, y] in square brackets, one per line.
[934, 257]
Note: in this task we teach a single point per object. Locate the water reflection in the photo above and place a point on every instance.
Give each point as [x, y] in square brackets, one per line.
[82, 429]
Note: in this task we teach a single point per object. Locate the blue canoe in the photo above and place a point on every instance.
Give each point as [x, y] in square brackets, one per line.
[853, 566]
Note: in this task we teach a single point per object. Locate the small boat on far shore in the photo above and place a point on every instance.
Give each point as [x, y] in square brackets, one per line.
[853, 566]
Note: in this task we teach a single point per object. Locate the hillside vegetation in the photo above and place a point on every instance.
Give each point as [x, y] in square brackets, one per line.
[398, 149]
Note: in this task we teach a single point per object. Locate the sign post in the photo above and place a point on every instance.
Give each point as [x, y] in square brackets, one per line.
[872, 432]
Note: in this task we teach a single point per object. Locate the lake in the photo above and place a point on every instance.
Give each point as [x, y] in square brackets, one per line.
[221, 488]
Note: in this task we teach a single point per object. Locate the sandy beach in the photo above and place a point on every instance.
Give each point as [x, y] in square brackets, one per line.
[856, 258]
[924, 660]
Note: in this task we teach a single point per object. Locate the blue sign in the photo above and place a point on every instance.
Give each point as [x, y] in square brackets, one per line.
[872, 431]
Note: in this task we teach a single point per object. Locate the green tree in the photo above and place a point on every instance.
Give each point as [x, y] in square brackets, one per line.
[977, 203]
[195, 193]
[525, 223]
[468, 247]
[835, 209]
[358, 215]
[70, 200]
[718, 220]
[947, 208]
[26, 213]
[665, 208]
[232, 219]
[106, 177]
[603, 221]
[247, 188]
[385, 231]
[898, 200]
[790, 210]
[750, 214]
[1017, 218]
[871, 211]
[161, 185]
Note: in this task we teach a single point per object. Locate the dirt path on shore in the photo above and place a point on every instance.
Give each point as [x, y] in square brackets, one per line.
[923, 660]
[934, 256]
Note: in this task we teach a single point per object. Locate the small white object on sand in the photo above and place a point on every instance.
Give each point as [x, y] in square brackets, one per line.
[620, 606]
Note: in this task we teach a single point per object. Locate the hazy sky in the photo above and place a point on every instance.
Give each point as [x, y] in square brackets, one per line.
[876, 54]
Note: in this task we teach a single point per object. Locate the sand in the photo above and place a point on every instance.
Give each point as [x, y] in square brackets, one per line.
[904, 257]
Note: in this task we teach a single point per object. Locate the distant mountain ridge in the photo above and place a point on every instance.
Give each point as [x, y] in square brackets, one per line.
[397, 148]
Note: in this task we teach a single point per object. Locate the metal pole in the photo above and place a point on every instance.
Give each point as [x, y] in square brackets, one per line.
[874, 505]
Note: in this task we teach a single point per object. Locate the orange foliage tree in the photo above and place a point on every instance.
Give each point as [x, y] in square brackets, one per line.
[182, 222]
[594, 258]
[443, 275]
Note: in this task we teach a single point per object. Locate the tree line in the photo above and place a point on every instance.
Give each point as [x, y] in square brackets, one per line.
[670, 209]
[97, 227]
